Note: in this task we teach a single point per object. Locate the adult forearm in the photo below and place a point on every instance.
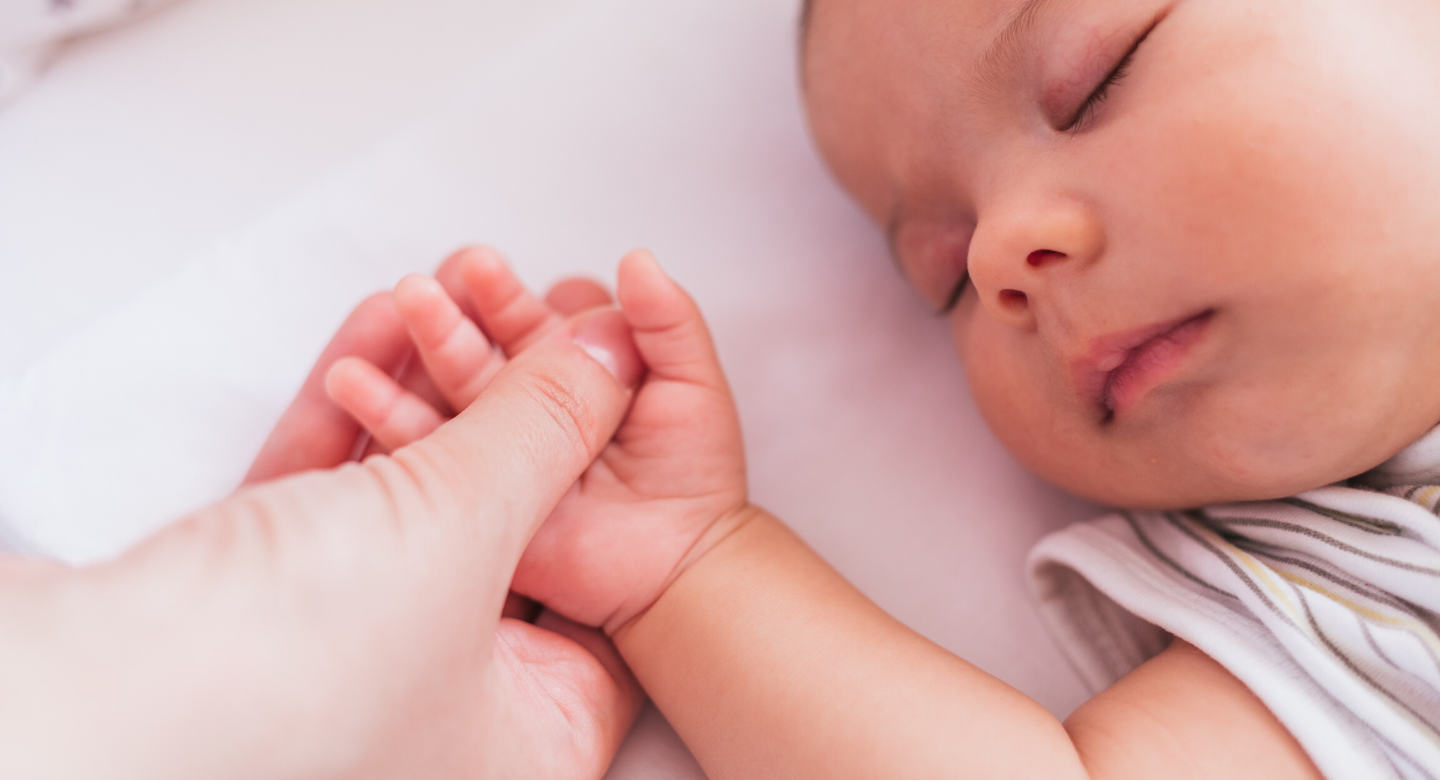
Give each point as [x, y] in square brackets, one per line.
[770, 664]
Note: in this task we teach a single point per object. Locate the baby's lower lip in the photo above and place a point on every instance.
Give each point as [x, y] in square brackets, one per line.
[1150, 364]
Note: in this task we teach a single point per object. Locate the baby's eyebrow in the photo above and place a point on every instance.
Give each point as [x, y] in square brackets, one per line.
[1002, 52]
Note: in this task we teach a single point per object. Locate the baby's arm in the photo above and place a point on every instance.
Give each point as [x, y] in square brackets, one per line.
[769, 664]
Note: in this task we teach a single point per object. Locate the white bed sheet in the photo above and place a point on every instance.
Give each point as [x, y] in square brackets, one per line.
[153, 378]
[142, 146]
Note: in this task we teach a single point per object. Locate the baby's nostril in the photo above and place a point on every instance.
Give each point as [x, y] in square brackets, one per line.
[1013, 299]
[1042, 256]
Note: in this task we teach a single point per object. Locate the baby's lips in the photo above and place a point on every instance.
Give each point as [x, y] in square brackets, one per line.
[606, 337]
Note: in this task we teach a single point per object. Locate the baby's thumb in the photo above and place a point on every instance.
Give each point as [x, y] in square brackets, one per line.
[498, 469]
[669, 330]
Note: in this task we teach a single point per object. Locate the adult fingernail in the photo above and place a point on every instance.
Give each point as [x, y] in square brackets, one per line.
[606, 337]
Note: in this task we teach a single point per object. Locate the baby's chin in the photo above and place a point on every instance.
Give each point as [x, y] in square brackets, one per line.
[1172, 484]
[1184, 472]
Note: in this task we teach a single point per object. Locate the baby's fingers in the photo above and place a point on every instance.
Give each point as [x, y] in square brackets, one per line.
[453, 349]
[511, 314]
[393, 415]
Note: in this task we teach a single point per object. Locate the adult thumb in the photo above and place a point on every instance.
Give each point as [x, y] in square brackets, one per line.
[492, 474]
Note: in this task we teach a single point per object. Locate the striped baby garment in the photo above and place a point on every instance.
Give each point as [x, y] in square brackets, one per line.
[1326, 605]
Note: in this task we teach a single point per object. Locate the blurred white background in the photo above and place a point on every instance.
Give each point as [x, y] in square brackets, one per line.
[140, 146]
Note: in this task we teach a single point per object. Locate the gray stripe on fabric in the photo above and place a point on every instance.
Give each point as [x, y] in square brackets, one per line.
[1232, 565]
[1329, 540]
[1430, 651]
[1358, 672]
[1426, 690]
[1145, 540]
[1391, 749]
[1385, 754]
[1369, 524]
[1417, 687]
[1370, 640]
[1360, 588]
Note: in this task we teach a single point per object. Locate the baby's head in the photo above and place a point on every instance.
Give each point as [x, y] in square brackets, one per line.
[1202, 237]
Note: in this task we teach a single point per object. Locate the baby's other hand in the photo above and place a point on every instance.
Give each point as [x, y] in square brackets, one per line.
[667, 487]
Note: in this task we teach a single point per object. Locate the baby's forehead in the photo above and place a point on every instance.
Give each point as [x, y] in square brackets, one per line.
[885, 69]
[900, 46]
[954, 21]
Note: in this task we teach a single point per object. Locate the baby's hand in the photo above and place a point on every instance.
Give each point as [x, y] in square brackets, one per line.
[670, 484]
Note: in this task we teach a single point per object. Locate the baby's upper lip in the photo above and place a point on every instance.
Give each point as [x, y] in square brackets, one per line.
[1099, 362]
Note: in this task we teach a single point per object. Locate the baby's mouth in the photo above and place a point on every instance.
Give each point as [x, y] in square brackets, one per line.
[1120, 368]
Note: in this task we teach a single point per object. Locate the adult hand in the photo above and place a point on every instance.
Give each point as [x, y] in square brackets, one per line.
[344, 621]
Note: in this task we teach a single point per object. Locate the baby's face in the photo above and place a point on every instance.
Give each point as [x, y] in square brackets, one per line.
[1202, 237]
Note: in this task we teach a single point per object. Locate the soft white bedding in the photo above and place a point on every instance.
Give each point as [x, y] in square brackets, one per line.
[32, 30]
[156, 365]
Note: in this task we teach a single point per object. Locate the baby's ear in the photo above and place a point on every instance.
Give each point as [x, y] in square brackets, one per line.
[669, 330]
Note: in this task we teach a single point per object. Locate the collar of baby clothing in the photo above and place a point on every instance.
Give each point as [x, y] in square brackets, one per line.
[1326, 605]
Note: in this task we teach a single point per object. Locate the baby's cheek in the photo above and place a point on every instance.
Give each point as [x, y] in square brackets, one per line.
[1007, 384]
[1038, 419]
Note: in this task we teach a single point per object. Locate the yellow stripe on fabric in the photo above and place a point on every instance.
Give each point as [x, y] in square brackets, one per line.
[1263, 574]
[1426, 497]
[1415, 627]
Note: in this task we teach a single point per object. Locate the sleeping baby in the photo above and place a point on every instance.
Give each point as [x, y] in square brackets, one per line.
[1187, 252]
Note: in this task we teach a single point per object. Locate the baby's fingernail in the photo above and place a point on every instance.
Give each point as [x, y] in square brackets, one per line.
[606, 337]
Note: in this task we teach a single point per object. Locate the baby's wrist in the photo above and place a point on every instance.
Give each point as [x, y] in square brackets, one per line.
[723, 528]
[727, 526]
